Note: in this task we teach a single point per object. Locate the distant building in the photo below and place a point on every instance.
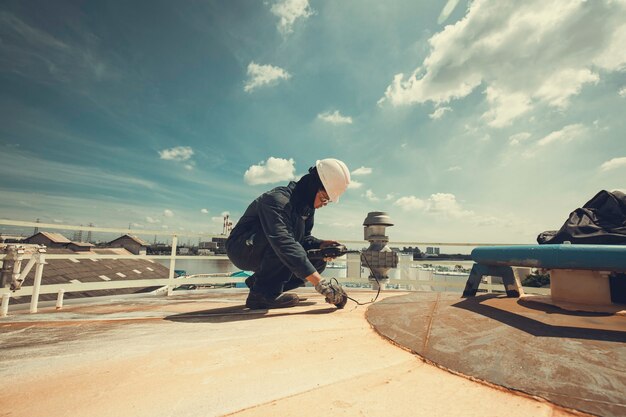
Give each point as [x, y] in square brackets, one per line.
[432, 251]
[221, 245]
[212, 246]
[159, 249]
[50, 240]
[131, 243]
[80, 246]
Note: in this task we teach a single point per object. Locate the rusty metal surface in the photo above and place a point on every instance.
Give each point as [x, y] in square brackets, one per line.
[575, 360]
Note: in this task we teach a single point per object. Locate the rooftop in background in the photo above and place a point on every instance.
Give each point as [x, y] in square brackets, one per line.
[79, 267]
[52, 237]
[130, 237]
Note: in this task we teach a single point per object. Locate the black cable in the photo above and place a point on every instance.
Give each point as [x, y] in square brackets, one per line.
[375, 277]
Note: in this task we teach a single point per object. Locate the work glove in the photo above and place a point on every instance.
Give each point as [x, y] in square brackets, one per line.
[334, 293]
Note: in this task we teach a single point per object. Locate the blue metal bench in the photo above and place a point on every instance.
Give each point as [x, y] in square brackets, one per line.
[499, 260]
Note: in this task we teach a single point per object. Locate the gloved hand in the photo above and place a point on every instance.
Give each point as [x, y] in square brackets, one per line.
[334, 293]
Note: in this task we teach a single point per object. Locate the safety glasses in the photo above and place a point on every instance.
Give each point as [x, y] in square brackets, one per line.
[324, 198]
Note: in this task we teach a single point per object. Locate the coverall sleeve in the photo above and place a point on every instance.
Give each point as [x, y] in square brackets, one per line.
[310, 241]
[279, 232]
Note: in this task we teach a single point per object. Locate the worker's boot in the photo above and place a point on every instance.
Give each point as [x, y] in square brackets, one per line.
[292, 284]
[258, 301]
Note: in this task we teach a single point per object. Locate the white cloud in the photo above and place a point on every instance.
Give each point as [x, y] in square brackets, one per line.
[335, 118]
[622, 92]
[289, 11]
[516, 139]
[217, 219]
[369, 194]
[410, 203]
[361, 171]
[521, 53]
[559, 87]
[225, 213]
[614, 163]
[444, 204]
[567, 134]
[260, 75]
[447, 11]
[152, 220]
[136, 225]
[179, 153]
[505, 106]
[454, 168]
[439, 112]
[204, 211]
[355, 184]
[273, 170]
[168, 213]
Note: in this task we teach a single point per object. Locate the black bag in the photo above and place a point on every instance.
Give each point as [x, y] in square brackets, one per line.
[601, 221]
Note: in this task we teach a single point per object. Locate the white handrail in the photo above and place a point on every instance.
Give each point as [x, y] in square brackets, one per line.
[19, 223]
[171, 282]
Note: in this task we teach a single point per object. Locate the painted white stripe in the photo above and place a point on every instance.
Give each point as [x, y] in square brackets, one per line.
[75, 281]
[136, 271]
[119, 274]
[76, 261]
[104, 277]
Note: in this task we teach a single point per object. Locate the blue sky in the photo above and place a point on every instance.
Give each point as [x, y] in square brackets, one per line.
[483, 121]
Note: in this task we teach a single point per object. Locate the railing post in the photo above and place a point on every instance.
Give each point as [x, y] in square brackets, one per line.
[60, 299]
[170, 278]
[41, 261]
[4, 310]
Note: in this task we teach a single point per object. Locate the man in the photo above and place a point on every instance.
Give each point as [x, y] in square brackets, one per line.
[274, 233]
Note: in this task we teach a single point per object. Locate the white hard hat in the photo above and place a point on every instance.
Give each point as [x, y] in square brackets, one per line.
[335, 177]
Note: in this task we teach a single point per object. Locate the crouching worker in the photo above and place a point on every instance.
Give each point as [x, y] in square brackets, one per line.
[274, 233]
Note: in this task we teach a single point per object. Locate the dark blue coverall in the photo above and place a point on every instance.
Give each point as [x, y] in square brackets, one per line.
[272, 238]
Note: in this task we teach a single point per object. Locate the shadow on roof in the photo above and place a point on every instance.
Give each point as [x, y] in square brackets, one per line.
[242, 313]
[539, 328]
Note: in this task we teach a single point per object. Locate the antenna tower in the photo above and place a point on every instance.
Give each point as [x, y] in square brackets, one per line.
[228, 225]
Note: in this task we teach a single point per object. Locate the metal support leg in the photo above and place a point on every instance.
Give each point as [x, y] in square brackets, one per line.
[508, 278]
[170, 279]
[4, 310]
[471, 286]
[478, 271]
[37, 284]
[60, 299]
